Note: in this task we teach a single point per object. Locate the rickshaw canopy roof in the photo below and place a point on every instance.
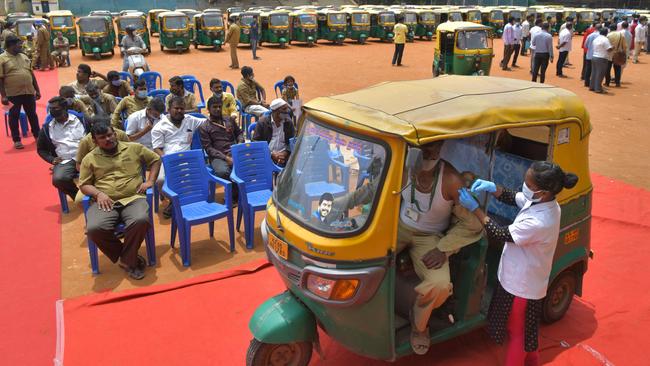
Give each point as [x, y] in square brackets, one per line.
[421, 111]
[59, 13]
[172, 14]
[456, 26]
[153, 11]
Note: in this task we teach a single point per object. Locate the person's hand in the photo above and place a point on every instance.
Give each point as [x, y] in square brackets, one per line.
[229, 160]
[104, 202]
[466, 200]
[434, 259]
[481, 185]
[37, 95]
[93, 74]
[57, 161]
[5, 101]
[144, 186]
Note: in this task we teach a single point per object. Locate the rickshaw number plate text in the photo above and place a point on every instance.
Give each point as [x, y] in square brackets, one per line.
[279, 247]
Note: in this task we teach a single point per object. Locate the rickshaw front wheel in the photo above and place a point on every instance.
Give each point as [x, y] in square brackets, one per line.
[559, 296]
[287, 354]
[98, 56]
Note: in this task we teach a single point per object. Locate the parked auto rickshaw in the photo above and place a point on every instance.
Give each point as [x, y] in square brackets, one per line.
[493, 18]
[190, 15]
[13, 17]
[210, 30]
[462, 48]
[553, 17]
[274, 26]
[358, 28]
[233, 10]
[175, 31]
[410, 20]
[245, 21]
[304, 27]
[136, 20]
[154, 25]
[101, 13]
[332, 25]
[345, 275]
[455, 15]
[24, 26]
[426, 24]
[96, 36]
[472, 15]
[63, 21]
[381, 24]
[584, 21]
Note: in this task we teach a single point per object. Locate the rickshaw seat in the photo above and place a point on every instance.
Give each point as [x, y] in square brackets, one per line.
[153, 80]
[126, 76]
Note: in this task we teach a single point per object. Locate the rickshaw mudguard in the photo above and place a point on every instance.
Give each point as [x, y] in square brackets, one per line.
[283, 319]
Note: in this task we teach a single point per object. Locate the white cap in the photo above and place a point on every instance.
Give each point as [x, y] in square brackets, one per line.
[277, 104]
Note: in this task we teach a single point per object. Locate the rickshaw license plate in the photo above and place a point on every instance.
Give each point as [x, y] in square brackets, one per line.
[279, 246]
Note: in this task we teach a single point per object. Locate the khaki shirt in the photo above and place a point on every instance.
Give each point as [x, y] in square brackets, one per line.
[124, 90]
[16, 73]
[86, 144]
[42, 38]
[119, 176]
[188, 99]
[80, 89]
[81, 107]
[130, 105]
[247, 92]
[107, 102]
[5, 33]
[232, 36]
[290, 94]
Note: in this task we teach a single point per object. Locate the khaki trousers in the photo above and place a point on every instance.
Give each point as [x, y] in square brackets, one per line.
[234, 62]
[436, 285]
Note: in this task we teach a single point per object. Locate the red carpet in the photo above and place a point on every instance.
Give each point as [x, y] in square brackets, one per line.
[203, 321]
[30, 247]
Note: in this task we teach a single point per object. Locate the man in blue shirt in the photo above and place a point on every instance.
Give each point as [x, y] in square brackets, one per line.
[543, 45]
[254, 37]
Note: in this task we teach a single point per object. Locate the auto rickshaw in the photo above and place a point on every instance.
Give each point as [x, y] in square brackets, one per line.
[462, 48]
[13, 17]
[136, 20]
[410, 20]
[585, 20]
[472, 15]
[101, 13]
[344, 274]
[381, 24]
[154, 25]
[210, 30]
[63, 21]
[426, 24]
[96, 36]
[175, 31]
[605, 13]
[332, 25]
[455, 15]
[24, 26]
[190, 15]
[304, 27]
[274, 26]
[358, 28]
[554, 18]
[493, 18]
[514, 13]
[245, 21]
[233, 10]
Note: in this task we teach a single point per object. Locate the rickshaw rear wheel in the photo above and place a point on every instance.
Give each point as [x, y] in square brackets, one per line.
[559, 296]
[266, 354]
[196, 45]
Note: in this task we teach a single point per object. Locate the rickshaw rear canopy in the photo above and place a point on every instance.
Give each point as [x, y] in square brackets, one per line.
[455, 26]
[422, 111]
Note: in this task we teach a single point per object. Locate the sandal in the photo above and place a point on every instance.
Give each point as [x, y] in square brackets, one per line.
[420, 341]
[135, 273]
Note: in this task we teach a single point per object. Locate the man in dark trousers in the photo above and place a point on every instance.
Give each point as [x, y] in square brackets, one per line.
[543, 45]
[399, 31]
[254, 35]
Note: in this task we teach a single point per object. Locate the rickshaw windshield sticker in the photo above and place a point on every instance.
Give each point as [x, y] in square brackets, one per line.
[563, 136]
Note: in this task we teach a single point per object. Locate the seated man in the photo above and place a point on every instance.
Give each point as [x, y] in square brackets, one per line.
[116, 86]
[112, 175]
[131, 104]
[247, 93]
[217, 136]
[98, 103]
[74, 103]
[173, 134]
[276, 129]
[177, 89]
[228, 103]
[57, 144]
[84, 73]
[140, 123]
[87, 144]
[61, 47]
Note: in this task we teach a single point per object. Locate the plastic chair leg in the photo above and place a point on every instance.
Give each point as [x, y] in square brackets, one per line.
[211, 228]
[150, 241]
[231, 232]
[185, 246]
[247, 224]
[172, 240]
[250, 243]
[156, 198]
[94, 260]
[64, 202]
[6, 125]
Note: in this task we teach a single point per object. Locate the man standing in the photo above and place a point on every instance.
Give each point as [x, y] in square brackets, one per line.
[640, 37]
[131, 104]
[516, 46]
[18, 86]
[130, 40]
[61, 50]
[247, 93]
[84, 73]
[58, 143]
[564, 47]
[228, 103]
[254, 35]
[525, 33]
[232, 38]
[508, 39]
[112, 175]
[533, 32]
[585, 35]
[140, 123]
[589, 52]
[116, 86]
[399, 30]
[42, 54]
[276, 129]
[177, 89]
[543, 46]
[602, 47]
[98, 103]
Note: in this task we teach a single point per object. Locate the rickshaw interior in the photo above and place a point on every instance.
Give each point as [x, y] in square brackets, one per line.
[23, 28]
[137, 22]
[360, 18]
[337, 19]
[412, 18]
[455, 16]
[473, 39]
[387, 18]
[307, 19]
[246, 20]
[279, 19]
[92, 25]
[58, 21]
[212, 20]
[175, 23]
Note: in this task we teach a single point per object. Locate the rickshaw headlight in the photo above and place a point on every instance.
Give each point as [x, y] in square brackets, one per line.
[329, 289]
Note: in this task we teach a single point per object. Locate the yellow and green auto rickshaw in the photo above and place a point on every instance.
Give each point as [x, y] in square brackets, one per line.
[472, 15]
[426, 24]
[63, 21]
[209, 30]
[344, 275]
[410, 20]
[382, 23]
[245, 20]
[190, 15]
[515, 13]
[13, 17]
[332, 25]
[455, 15]
[304, 27]
[137, 21]
[175, 31]
[233, 10]
[154, 25]
[358, 28]
[553, 17]
[96, 36]
[274, 27]
[493, 18]
[605, 14]
[585, 20]
[462, 48]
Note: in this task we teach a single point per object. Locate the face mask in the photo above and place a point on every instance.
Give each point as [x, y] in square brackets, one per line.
[117, 82]
[529, 193]
[70, 101]
[218, 95]
[57, 113]
[141, 94]
[429, 164]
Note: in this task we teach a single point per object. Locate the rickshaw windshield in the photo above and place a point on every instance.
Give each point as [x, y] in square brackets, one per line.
[473, 40]
[361, 18]
[456, 17]
[386, 18]
[279, 20]
[176, 22]
[306, 19]
[137, 23]
[427, 17]
[58, 22]
[587, 16]
[333, 204]
[92, 25]
[213, 20]
[337, 19]
[411, 17]
[24, 28]
[516, 15]
[496, 15]
[247, 20]
[474, 16]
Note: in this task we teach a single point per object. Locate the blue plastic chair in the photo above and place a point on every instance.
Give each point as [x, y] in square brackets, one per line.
[245, 118]
[190, 187]
[252, 171]
[364, 163]
[150, 238]
[23, 123]
[159, 93]
[249, 131]
[226, 86]
[153, 80]
[279, 86]
[196, 136]
[126, 76]
[189, 83]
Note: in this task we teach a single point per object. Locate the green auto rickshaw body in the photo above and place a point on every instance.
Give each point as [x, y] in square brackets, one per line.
[154, 24]
[410, 20]
[463, 48]
[584, 21]
[382, 23]
[175, 31]
[426, 27]
[493, 18]
[304, 27]
[274, 26]
[358, 28]
[332, 25]
[245, 21]
[209, 30]
[136, 20]
[96, 35]
[63, 21]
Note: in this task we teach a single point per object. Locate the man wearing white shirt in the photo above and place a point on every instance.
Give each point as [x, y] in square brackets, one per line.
[140, 123]
[564, 47]
[640, 35]
[533, 32]
[599, 61]
[516, 46]
[525, 33]
[508, 38]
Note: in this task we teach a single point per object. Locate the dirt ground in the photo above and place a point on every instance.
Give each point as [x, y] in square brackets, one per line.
[618, 149]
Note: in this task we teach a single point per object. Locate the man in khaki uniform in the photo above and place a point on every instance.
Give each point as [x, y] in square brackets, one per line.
[116, 86]
[232, 38]
[177, 89]
[42, 49]
[6, 32]
[98, 103]
[131, 104]
[74, 103]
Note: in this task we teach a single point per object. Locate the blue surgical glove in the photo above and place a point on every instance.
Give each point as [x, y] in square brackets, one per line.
[481, 185]
[466, 200]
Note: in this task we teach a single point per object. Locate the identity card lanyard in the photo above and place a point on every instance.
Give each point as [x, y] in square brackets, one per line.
[414, 202]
